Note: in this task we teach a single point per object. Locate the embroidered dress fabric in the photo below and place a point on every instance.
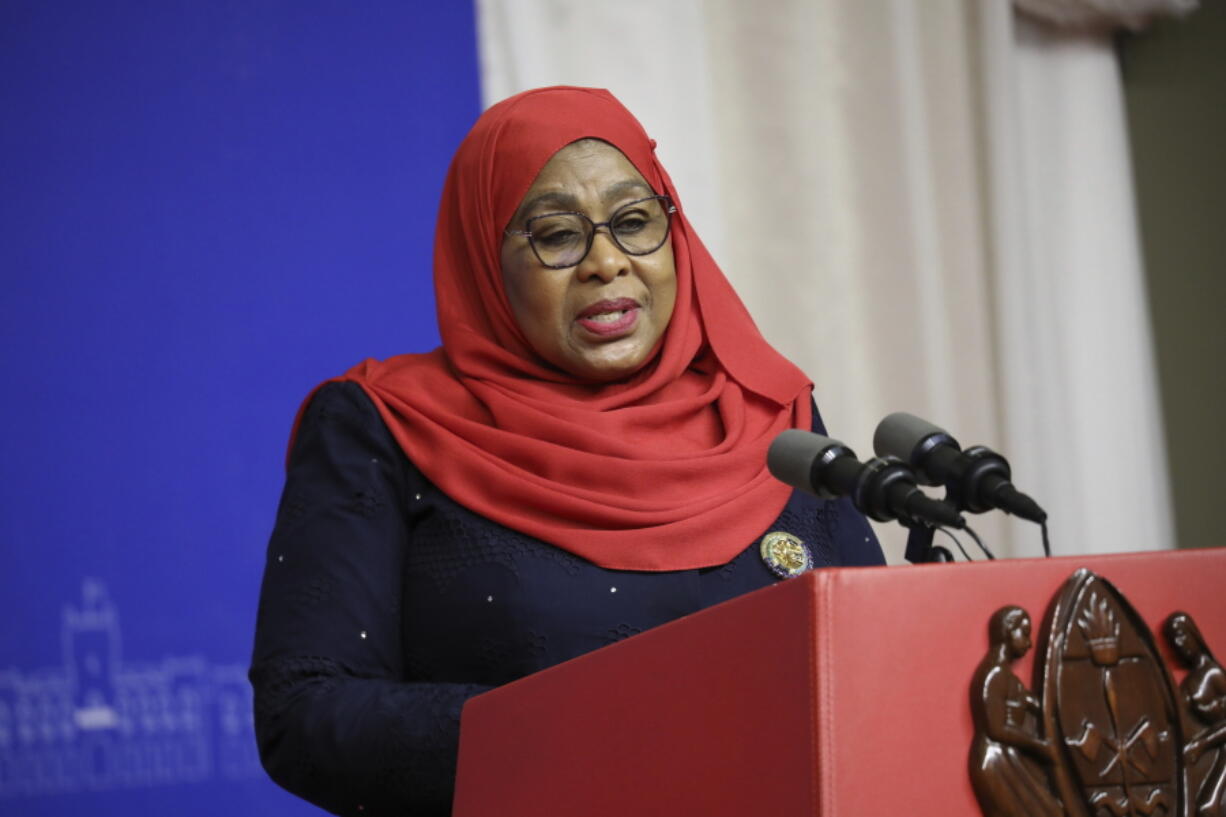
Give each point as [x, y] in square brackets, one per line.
[386, 604]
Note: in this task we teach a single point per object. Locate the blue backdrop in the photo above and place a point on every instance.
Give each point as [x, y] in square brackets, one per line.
[207, 208]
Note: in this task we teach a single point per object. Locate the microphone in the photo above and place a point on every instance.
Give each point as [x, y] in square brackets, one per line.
[882, 488]
[978, 479]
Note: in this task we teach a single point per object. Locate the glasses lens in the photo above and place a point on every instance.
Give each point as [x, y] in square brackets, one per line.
[560, 240]
[641, 226]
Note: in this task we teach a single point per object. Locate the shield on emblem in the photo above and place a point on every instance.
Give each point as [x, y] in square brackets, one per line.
[1108, 703]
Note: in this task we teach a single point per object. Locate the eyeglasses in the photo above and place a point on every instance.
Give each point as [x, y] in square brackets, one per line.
[562, 240]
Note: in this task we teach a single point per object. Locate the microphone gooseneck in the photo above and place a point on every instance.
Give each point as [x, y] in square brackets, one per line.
[883, 488]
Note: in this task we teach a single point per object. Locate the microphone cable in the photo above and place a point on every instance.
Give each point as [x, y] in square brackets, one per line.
[957, 542]
[971, 531]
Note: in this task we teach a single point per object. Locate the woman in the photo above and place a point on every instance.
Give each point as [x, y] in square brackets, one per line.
[582, 459]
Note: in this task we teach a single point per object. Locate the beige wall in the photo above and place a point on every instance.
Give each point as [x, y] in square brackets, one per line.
[1175, 87]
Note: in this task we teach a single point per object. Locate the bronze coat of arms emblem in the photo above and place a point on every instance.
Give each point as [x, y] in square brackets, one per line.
[1112, 736]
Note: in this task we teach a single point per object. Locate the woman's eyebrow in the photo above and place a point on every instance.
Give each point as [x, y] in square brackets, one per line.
[615, 191]
[553, 198]
[561, 200]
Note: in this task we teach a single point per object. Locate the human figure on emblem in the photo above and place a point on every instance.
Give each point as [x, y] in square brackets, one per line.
[1009, 756]
[1204, 689]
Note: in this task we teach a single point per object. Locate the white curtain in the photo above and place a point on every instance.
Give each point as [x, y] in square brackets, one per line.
[1077, 368]
[925, 205]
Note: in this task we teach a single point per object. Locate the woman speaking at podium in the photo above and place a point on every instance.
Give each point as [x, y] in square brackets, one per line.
[582, 459]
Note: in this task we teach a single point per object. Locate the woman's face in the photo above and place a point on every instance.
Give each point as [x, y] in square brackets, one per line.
[602, 319]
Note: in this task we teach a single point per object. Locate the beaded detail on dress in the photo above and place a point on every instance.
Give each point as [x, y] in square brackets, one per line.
[450, 539]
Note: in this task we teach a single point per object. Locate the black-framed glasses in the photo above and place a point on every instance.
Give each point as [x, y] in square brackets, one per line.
[562, 240]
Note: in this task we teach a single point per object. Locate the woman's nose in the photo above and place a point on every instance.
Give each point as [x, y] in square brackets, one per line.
[605, 260]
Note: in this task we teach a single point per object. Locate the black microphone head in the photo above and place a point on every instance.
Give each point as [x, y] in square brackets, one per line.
[899, 433]
[909, 438]
[792, 454]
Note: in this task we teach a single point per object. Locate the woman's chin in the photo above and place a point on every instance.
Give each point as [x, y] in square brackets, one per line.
[609, 362]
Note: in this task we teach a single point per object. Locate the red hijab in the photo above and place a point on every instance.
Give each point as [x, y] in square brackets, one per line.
[664, 471]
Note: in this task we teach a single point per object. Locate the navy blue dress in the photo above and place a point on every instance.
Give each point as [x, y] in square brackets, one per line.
[385, 605]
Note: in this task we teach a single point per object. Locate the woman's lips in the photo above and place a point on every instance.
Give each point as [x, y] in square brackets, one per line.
[610, 318]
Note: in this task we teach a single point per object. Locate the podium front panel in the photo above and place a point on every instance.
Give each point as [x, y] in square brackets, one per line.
[842, 692]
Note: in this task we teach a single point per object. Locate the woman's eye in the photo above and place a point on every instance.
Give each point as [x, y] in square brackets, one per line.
[631, 223]
[557, 237]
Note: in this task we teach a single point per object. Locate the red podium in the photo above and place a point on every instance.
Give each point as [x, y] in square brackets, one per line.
[842, 692]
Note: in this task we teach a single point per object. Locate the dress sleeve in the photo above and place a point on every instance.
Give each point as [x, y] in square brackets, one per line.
[337, 721]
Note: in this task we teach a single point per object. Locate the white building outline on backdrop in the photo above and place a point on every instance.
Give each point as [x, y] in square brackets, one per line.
[98, 722]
